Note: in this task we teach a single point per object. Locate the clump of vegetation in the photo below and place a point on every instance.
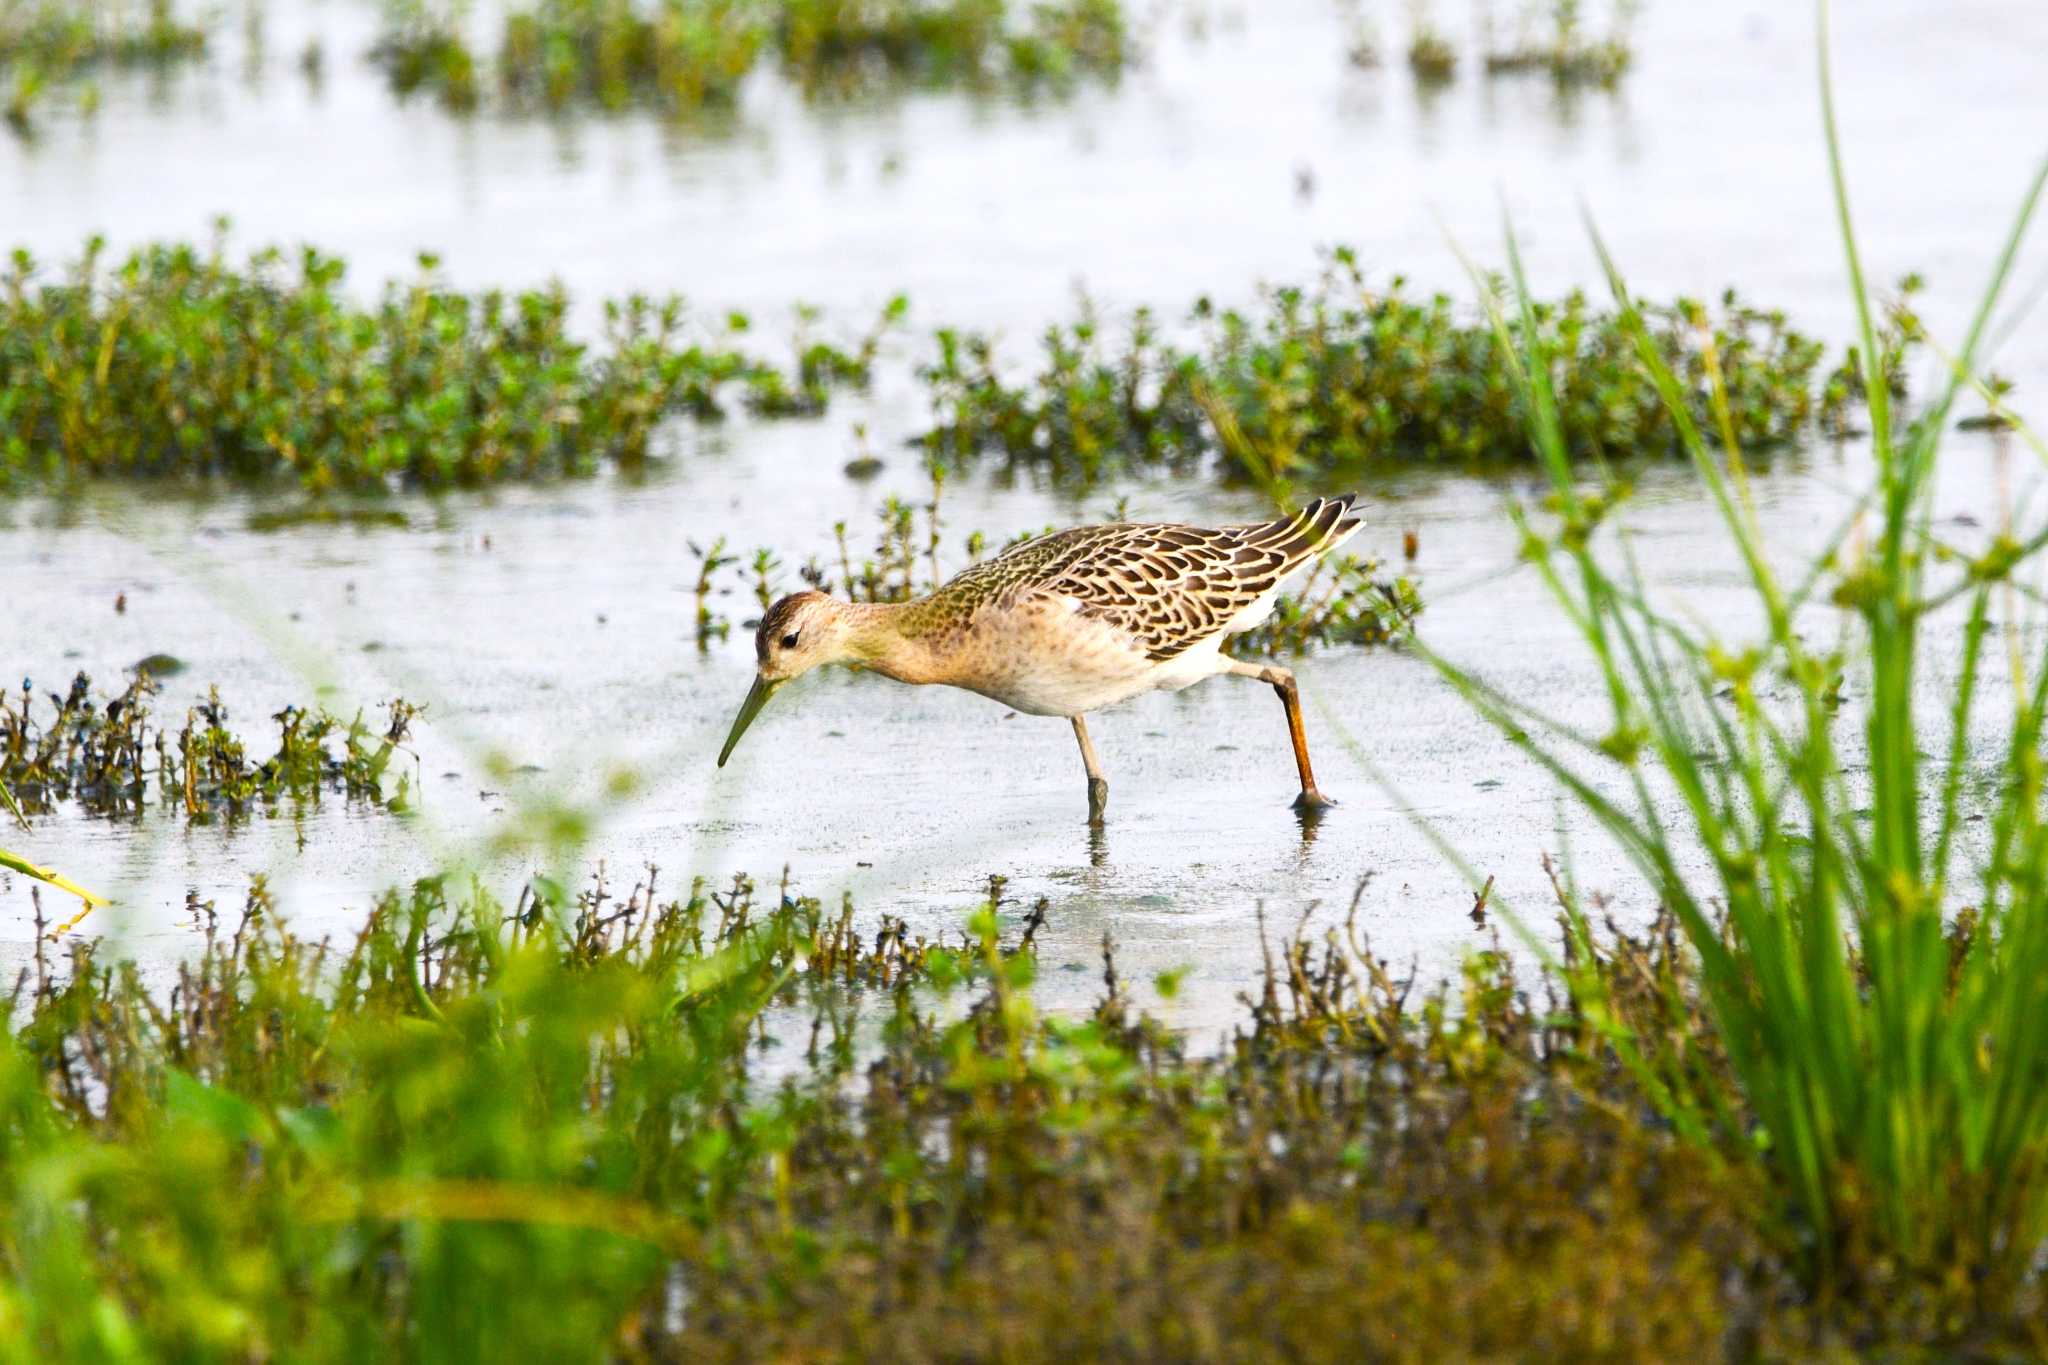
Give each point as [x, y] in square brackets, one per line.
[1430, 54]
[422, 48]
[680, 55]
[44, 43]
[1549, 36]
[1342, 600]
[837, 44]
[104, 754]
[1855, 852]
[1321, 380]
[551, 1127]
[177, 363]
[1554, 39]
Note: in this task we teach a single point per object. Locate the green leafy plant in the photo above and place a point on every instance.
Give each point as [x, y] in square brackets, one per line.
[1321, 380]
[176, 362]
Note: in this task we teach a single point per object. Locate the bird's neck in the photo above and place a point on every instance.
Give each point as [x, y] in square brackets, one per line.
[887, 637]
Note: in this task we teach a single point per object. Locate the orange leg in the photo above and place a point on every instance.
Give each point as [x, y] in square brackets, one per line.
[1282, 681]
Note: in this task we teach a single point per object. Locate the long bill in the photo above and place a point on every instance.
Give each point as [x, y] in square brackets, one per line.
[757, 697]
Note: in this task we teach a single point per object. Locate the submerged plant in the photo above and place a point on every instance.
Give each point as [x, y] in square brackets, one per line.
[1814, 828]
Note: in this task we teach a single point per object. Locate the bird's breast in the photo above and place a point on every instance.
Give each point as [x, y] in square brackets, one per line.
[1047, 658]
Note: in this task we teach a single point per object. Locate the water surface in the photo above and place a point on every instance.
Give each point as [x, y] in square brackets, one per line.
[553, 625]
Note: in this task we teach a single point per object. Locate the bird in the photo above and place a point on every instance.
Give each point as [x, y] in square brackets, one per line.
[1069, 622]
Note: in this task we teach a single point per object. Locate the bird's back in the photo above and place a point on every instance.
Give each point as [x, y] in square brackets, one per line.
[1085, 617]
[1170, 586]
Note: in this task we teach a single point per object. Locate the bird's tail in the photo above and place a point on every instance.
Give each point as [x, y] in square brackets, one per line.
[1323, 524]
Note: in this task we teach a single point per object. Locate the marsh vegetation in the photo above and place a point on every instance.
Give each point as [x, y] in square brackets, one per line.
[108, 756]
[179, 361]
[1315, 381]
[52, 44]
[680, 55]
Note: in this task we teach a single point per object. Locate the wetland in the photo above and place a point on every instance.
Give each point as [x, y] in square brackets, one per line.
[392, 477]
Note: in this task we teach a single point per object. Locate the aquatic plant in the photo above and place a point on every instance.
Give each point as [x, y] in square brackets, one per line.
[1814, 826]
[837, 44]
[681, 55]
[422, 48]
[1320, 380]
[104, 754]
[1430, 54]
[46, 42]
[1342, 600]
[1554, 39]
[176, 362]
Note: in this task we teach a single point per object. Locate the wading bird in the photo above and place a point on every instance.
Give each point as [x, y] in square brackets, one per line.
[1070, 622]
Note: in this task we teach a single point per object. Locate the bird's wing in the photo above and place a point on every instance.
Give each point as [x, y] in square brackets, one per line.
[1170, 587]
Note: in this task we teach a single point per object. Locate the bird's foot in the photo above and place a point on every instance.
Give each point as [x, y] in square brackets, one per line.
[1312, 799]
[1098, 799]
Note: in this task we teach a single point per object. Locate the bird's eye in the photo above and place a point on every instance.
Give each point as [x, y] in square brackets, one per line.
[789, 640]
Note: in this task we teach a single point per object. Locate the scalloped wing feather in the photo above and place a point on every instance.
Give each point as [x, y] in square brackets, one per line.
[1169, 587]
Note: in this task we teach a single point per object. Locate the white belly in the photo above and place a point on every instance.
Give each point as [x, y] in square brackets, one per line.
[1057, 662]
[1076, 690]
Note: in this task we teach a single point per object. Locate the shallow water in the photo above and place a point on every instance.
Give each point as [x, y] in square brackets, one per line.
[553, 625]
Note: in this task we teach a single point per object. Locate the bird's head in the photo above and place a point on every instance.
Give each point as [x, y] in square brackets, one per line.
[797, 634]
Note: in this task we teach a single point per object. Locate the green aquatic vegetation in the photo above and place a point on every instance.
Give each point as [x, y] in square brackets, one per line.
[1554, 39]
[556, 1127]
[177, 362]
[682, 55]
[677, 54]
[1343, 600]
[1317, 381]
[1430, 54]
[46, 43]
[838, 44]
[1817, 818]
[422, 48]
[105, 755]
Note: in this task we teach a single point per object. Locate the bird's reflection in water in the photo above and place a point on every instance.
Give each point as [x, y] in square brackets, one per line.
[1098, 845]
[1310, 819]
